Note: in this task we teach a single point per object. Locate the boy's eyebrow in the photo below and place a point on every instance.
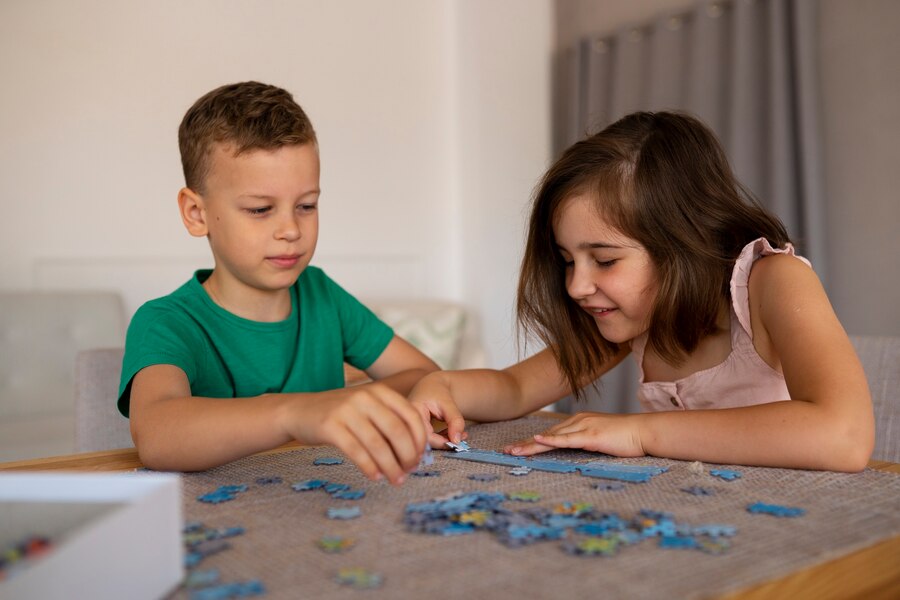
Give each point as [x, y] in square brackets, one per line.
[316, 192]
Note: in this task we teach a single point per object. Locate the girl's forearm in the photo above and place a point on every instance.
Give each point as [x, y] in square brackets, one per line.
[792, 434]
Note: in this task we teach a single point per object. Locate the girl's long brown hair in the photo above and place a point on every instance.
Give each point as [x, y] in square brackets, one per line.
[663, 180]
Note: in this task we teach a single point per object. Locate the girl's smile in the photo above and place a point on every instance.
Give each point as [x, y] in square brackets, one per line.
[608, 274]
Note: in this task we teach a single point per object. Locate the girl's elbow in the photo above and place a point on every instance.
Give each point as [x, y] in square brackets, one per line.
[853, 446]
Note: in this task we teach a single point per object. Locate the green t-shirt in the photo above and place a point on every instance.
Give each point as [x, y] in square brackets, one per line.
[226, 356]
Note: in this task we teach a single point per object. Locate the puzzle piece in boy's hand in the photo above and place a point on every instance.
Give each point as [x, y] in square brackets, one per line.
[776, 510]
[460, 447]
[428, 457]
[725, 474]
[697, 490]
[359, 578]
[484, 477]
[328, 460]
[236, 589]
[350, 512]
[333, 544]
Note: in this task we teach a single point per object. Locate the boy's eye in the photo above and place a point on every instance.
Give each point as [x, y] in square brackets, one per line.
[261, 210]
[306, 207]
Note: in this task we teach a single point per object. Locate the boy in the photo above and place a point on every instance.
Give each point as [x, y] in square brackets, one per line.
[250, 355]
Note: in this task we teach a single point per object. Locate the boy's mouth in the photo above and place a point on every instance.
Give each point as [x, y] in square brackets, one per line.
[284, 260]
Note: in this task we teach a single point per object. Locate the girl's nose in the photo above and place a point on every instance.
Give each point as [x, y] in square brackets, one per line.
[579, 283]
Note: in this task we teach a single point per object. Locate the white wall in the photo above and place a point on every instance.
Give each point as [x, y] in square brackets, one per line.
[433, 120]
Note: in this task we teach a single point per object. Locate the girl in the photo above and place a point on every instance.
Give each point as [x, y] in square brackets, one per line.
[642, 242]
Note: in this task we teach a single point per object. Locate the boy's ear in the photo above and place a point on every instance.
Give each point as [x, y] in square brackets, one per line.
[193, 213]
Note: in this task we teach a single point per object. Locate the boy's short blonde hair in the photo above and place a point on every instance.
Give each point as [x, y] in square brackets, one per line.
[248, 115]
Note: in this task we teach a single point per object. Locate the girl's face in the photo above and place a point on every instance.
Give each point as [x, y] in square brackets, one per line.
[608, 274]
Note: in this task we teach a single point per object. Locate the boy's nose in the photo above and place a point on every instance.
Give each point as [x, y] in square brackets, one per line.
[288, 230]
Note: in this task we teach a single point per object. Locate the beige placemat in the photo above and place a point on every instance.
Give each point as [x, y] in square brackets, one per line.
[844, 513]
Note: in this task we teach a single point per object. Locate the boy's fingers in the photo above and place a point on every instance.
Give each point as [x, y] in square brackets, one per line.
[356, 453]
[375, 444]
[413, 420]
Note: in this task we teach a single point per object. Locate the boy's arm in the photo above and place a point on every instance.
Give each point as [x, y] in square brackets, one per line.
[400, 366]
[173, 430]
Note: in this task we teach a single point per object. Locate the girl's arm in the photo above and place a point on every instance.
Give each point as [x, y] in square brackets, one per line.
[491, 395]
[400, 366]
[827, 424]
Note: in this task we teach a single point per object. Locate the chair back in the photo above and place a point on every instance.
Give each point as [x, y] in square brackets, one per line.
[98, 424]
[880, 357]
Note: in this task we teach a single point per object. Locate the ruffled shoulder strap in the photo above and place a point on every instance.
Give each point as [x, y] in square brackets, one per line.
[740, 276]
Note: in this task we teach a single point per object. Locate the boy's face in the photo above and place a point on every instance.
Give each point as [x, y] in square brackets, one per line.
[261, 215]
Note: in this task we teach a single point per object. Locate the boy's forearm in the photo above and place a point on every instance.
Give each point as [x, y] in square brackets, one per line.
[790, 434]
[194, 434]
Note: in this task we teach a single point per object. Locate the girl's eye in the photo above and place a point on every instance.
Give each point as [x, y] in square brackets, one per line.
[606, 263]
[259, 211]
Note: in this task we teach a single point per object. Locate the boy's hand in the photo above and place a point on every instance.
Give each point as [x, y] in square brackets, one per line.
[431, 398]
[598, 432]
[372, 424]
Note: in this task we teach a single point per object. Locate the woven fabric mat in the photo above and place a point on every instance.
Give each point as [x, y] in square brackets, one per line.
[844, 513]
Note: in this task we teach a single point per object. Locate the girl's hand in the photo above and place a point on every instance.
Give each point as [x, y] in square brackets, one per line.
[617, 435]
[431, 398]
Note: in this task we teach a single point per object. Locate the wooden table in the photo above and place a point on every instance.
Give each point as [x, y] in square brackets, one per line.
[873, 572]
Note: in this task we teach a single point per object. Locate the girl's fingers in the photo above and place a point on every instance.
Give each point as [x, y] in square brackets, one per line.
[574, 439]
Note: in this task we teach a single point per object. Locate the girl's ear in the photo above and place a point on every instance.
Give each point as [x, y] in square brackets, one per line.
[193, 213]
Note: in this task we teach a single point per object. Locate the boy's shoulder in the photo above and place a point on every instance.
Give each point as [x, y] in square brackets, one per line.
[186, 296]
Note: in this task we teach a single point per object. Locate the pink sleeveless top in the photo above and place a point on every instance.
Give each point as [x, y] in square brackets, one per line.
[743, 378]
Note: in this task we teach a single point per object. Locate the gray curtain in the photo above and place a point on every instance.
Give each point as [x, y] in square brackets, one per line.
[748, 69]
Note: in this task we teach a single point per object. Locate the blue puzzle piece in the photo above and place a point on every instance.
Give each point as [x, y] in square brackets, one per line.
[349, 494]
[309, 484]
[776, 510]
[237, 589]
[328, 460]
[725, 474]
[460, 447]
[344, 513]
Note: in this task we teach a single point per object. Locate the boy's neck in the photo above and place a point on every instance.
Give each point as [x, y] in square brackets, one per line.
[249, 303]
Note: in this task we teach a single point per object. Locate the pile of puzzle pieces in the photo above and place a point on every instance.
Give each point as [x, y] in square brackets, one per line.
[586, 530]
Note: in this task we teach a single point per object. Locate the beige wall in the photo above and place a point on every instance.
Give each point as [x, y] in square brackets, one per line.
[433, 121]
[860, 101]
